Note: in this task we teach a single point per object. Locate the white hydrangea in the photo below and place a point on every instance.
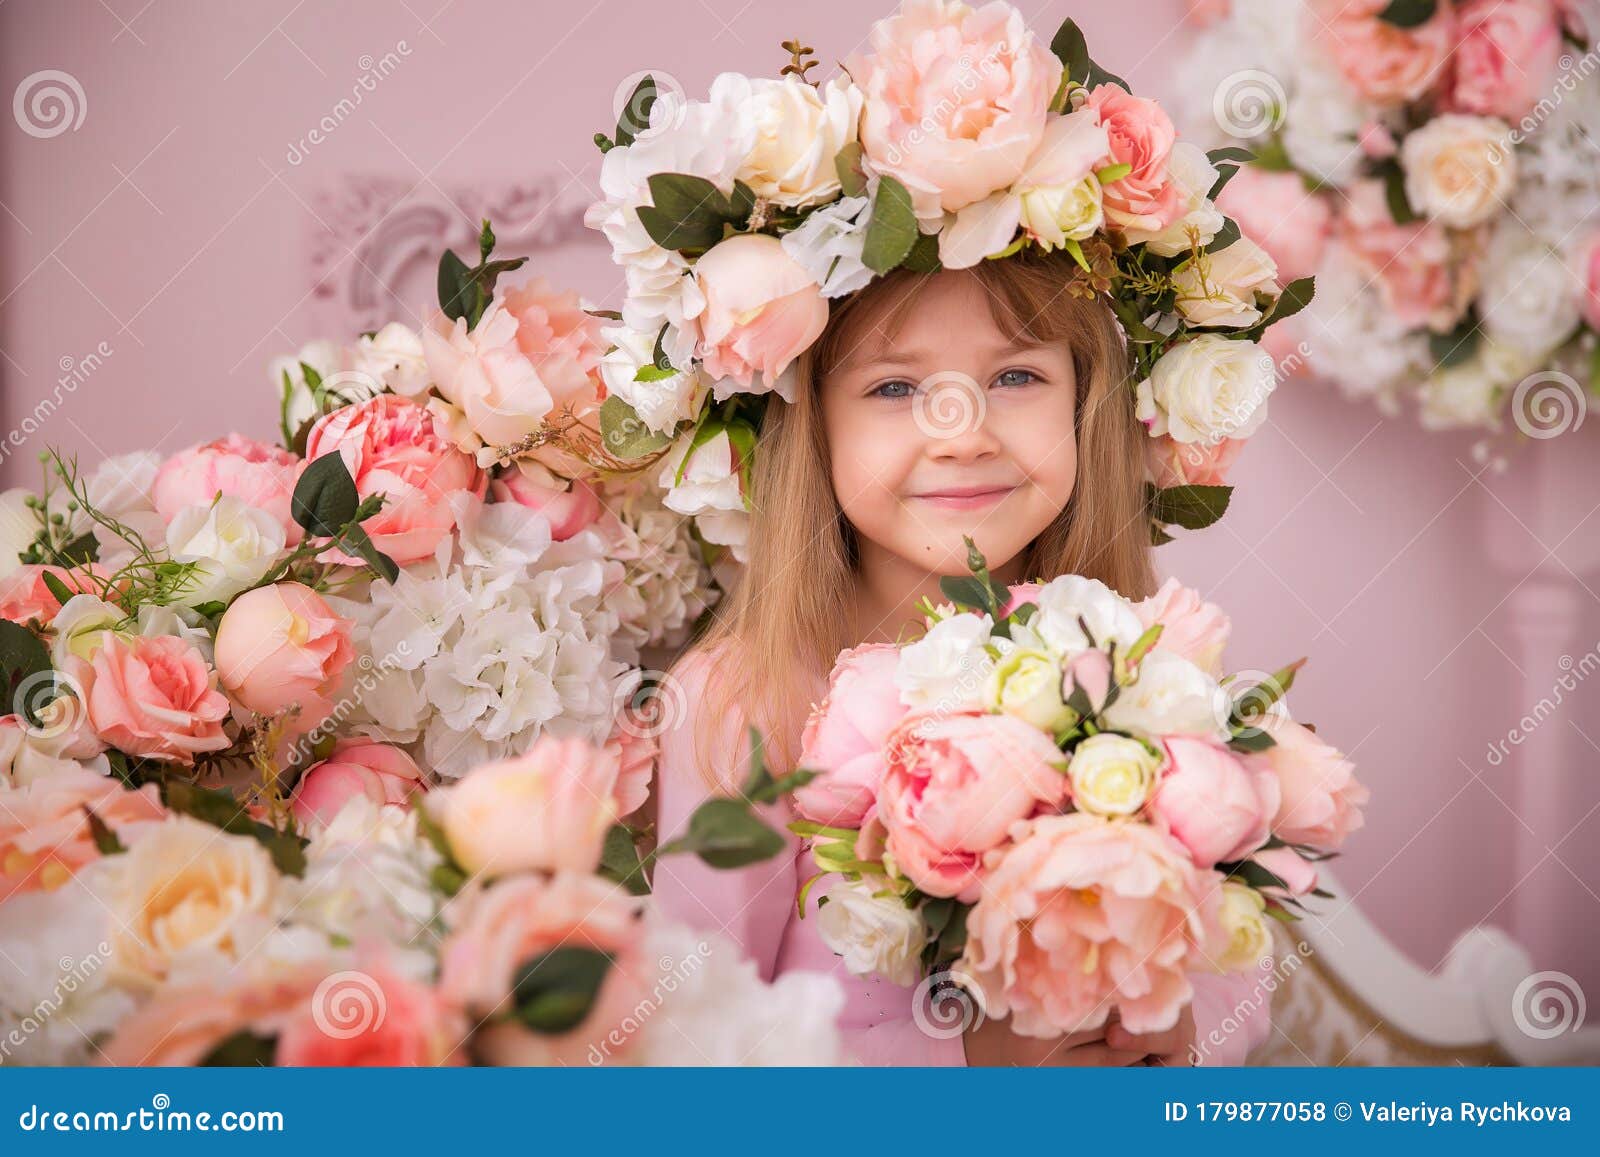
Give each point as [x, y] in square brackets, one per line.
[828, 245]
[948, 667]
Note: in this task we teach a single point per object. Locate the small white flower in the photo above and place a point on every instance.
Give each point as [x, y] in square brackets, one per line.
[828, 245]
[948, 667]
[661, 403]
[232, 544]
[1171, 696]
[875, 934]
[1063, 601]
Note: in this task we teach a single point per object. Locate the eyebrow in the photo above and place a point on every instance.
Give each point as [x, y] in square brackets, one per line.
[917, 357]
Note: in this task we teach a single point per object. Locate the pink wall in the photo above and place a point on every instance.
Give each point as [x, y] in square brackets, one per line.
[173, 227]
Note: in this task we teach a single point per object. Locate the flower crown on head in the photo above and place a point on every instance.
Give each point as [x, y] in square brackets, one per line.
[955, 137]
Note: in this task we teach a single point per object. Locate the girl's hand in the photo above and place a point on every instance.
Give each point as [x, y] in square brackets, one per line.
[1169, 1048]
[993, 1043]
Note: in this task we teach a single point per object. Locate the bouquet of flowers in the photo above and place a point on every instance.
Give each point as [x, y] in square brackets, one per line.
[1054, 800]
[1433, 164]
[956, 136]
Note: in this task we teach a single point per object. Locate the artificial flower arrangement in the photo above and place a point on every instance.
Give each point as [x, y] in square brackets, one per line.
[1433, 164]
[1056, 801]
[955, 137]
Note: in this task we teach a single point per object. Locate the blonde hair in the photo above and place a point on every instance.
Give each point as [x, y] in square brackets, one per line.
[781, 628]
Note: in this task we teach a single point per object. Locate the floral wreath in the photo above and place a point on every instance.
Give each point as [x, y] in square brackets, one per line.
[955, 137]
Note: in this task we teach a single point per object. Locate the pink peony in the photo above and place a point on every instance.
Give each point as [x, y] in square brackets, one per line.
[495, 931]
[282, 646]
[1384, 62]
[256, 474]
[844, 737]
[636, 750]
[761, 309]
[1141, 134]
[396, 448]
[1175, 463]
[1320, 799]
[1082, 915]
[356, 767]
[1211, 803]
[1278, 212]
[372, 1017]
[1505, 57]
[955, 100]
[1412, 263]
[952, 787]
[152, 695]
[24, 596]
[44, 831]
[568, 506]
[183, 1023]
[1190, 626]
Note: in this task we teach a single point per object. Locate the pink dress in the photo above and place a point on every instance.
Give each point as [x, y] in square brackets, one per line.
[755, 907]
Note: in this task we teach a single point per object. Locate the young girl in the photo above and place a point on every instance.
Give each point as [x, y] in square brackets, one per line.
[985, 402]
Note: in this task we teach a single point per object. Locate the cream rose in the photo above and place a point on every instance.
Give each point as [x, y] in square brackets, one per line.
[1243, 917]
[231, 544]
[1219, 289]
[1460, 170]
[874, 934]
[1206, 389]
[799, 130]
[1171, 696]
[1112, 775]
[1027, 684]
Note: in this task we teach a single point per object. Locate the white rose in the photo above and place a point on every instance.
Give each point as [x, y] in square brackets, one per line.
[1170, 696]
[120, 487]
[1219, 289]
[232, 543]
[661, 403]
[948, 667]
[710, 479]
[1208, 388]
[18, 526]
[392, 357]
[1027, 684]
[1531, 300]
[1459, 169]
[1054, 215]
[1112, 775]
[874, 934]
[1244, 922]
[828, 245]
[798, 131]
[79, 625]
[1065, 600]
[1195, 174]
[296, 405]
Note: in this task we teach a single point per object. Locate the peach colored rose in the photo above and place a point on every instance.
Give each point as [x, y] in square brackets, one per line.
[1083, 915]
[1412, 263]
[1281, 215]
[280, 646]
[1191, 463]
[636, 750]
[1141, 135]
[256, 474]
[1590, 272]
[372, 1016]
[955, 100]
[547, 809]
[183, 1023]
[152, 695]
[1190, 626]
[495, 931]
[762, 309]
[1384, 62]
[953, 785]
[1211, 803]
[569, 506]
[1320, 799]
[44, 831]
[1505, 57]
[24, 596]
[844, 736]
[356, 767]
[397, 448]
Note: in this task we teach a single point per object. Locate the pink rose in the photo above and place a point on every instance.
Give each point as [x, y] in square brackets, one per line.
[256, 474]
[372, 1017]
[1148, 198]
[282, 646]
[1384, 62]
[844, 737]
[1505, 57]
[1276, 211]
[761, 309]
[44, 832]
[635, 746]
[1204, 12]
[1590, 272]
[955, 100]
[356, 767]
[1412, 263]
[545, 810]
[1211, 803]
[1320, 799]
[24, 596]
[1173, 463]
[953, 786]
[1190, 626]
[569, 506]
[152, 695]
[1082, 915]
[1090, 670]
[183, 1023]
[1297, 872]
[394, 447]
[497, 930]
[1022, 594]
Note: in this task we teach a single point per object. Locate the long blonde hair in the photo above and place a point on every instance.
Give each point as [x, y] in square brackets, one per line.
[780, 630]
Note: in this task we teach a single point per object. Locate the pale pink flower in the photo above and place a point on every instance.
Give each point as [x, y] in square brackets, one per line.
[152, 695]
[1505, 57]
[280, 646]
[24, 595]
[1383, 62]
[1190, 626]
[44, 830]
[355, 767]
[844, 736]
[1212, 803]
[1280, 214]
[1320, 799]
[255, 473]
[762, 309]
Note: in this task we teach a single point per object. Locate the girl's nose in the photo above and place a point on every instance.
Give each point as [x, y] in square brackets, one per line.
[951, 411]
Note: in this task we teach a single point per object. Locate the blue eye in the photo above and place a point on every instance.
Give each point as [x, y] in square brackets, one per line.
[1027, 376]
[877, 391]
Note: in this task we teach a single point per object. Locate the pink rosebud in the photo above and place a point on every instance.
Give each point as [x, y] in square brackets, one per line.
[1022, 594]
[845, 734]
[1319, 797]
[1090, 670]
[356, 767]
[255, 473]
[762, 309]
[569, 506]
[1299, 873]
[1175, 463]
[24, 595]
[280, 646]
[1211, 803]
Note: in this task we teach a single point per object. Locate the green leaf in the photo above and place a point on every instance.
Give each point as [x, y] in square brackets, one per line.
[105, 840]
[554, 991]
[619, 860]
[83, 549]
[967, 593]
[23, 659]
[1409, 13]
[637, 110]
[624, 433]
[56, 587]
[1457, 346]
[654, 373]
[1191, 507]
[847, 163]
[456, 289]
[924, 255]
[1252, 742]
[242, 1050]
[726, 833]
[1295, 297]
[357, 541]
[325, 498]
[1227, 161]
[220, 809]
[1226, 236]
[892, 231]
[687, 212]
[1394, 191]
[1072, 50]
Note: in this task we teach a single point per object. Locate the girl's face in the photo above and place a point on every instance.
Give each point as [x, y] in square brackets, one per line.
[950, 429]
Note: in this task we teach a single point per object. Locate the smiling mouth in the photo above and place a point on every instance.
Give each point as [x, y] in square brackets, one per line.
[965, 499]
